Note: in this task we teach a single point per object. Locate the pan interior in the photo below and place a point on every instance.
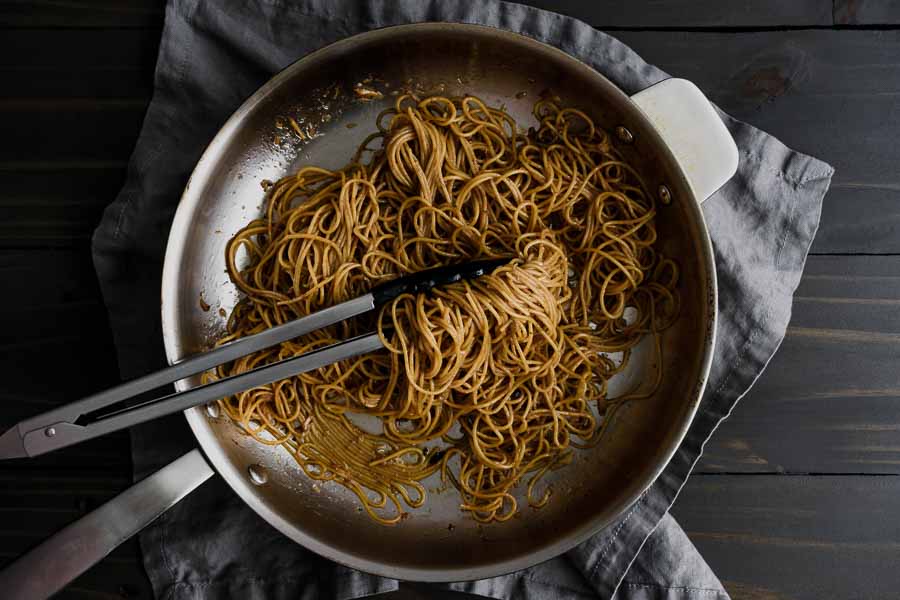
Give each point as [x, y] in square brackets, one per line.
[438, 541]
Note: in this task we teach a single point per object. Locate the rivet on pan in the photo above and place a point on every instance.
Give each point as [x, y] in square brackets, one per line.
[212, 409]
[624, 134]
[665, 196]
[50, 431]
[258, 474]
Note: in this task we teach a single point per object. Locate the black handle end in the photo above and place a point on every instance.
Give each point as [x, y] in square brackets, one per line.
[429, 278]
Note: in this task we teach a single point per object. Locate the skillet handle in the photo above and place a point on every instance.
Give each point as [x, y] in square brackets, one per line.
[67, 554]
[693, 131]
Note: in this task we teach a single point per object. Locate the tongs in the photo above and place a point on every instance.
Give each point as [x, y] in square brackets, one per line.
[95, 415]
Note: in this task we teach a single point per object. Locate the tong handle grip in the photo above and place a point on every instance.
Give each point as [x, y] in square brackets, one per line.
[424, 281]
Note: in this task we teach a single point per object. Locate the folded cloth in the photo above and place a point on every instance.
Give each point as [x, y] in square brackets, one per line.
[213, 55]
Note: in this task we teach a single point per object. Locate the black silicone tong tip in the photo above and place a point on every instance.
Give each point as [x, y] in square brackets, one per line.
[423, 281]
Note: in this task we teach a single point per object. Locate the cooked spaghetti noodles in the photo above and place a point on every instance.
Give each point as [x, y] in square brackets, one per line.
[490, 382]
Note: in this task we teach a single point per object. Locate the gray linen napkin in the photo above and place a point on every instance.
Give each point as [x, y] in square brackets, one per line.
[213, 55]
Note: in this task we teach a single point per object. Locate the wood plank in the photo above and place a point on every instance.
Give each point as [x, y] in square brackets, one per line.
[80, 310]
[34, 505]
[39, 496]
[780, 538]
[68, 130]
[57, 348]
[833, 94]
[51, 286]
[55, 204]
[674, 14]
[866, 12]
[794, 84]
[635, 13]
[767, 537]
[829, 402]
[94, 64]
[81, 13]
[772, 537]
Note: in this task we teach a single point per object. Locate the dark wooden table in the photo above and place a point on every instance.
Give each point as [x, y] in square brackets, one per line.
[797, 495]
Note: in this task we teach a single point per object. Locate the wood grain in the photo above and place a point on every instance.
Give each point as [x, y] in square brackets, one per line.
[798, 85]
[55, 204]
[77, 63]
[603, 13]
[829, 402]
[779, 538]
[34, 505]
[40, 131]
[792, 421]
[70, 119]
[75, 77]
[866, 12]
[81, 13]
[57, 348]
[832, 94]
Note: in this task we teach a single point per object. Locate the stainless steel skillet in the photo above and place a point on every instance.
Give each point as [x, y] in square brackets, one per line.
[669, 132]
